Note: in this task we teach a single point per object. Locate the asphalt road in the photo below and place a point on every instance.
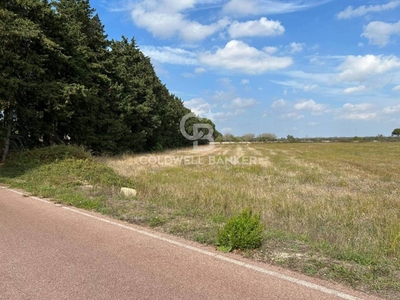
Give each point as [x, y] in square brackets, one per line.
[49, 251]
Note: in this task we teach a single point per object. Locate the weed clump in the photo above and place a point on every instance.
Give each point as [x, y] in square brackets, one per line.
[243, 231]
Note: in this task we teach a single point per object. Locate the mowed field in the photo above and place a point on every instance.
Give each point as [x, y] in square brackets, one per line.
[330, 209]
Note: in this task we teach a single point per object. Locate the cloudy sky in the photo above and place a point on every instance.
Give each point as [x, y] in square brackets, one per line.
[306, 68]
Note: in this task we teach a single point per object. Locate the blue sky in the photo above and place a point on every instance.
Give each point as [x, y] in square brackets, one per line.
[306, 68]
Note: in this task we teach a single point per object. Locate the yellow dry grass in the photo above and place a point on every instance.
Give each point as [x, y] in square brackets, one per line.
[342, 198]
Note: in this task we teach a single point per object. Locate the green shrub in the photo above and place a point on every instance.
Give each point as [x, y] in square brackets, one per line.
[243, 231]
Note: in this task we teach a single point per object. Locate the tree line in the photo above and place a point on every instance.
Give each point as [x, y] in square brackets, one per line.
[248, 137]
[63, 81]
[271, 137]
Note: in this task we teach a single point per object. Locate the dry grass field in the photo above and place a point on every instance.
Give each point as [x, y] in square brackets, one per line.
[329, 209]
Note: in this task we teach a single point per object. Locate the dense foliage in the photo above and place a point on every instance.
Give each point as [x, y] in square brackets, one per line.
[243, 231]
[63, 82]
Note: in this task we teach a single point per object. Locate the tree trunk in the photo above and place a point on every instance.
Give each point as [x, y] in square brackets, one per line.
[8, 118]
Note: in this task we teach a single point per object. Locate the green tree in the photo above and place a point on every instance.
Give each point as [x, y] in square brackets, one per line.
[64, 82]
[249, 137]
[149, 113]
[228, 137]
[265, 137]
[291, 138]
[219, 139]
[24, 53]
[87, 114]
[396, 132]
[171, 118]
[216, 133]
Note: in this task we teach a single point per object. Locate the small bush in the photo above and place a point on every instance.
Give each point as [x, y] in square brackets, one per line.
[243, 231]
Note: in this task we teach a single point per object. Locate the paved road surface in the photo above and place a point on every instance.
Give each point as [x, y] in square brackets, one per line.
[48, 251]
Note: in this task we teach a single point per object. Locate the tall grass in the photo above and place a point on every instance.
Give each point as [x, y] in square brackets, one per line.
[329, 210]
[340, 200]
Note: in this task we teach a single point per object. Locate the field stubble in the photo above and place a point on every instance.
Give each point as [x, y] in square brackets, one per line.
[329, 210]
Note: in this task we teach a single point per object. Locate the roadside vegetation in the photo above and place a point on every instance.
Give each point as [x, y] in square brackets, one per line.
[330, 210]
[66, 174]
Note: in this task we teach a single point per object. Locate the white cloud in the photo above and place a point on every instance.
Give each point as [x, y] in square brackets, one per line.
[262, 27]
[312, 124]
[170, 55]
[239, 56]
[351, 12]
[172, 6]
[357, 107]
[243, 103]
[226, 130]
[166, 19]
[278, 103]
[199, 70]
[310, 87]
[355, 89]
[188, 75]
[313, 77]
[359, 116]
[316, 61]
[290, 83]
[223, 116]
[379, 33]
[226, 83]
[311, 105]
[292, 116]
[362, 111]
[396, 88]
[199, 106]
[296, 47]
[270, 50]
[223, 95]
[194, 31]
[244, 81]
[391, 109]
[262, 7]
[359, 68]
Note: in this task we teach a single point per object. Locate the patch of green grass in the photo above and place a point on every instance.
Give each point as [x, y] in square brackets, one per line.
[156, 221]
[345, 273]
[205, 237]
[310, 270]
[66, 174]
